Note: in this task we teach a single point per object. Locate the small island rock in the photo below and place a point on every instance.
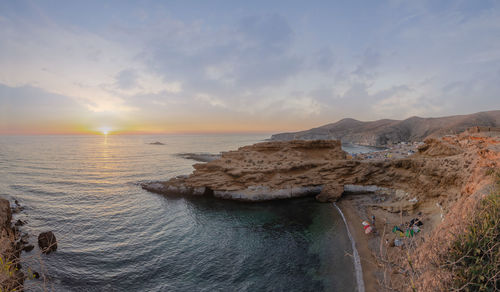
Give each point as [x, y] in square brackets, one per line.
[47, 242]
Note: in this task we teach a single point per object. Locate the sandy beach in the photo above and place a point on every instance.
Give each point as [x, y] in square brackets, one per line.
[361, 207]
[368, 261]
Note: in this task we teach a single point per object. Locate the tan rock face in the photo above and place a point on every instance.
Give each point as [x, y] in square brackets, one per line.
[276, 170]
[264, 171]
[330, 193]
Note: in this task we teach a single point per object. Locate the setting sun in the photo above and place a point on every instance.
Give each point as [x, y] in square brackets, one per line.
[105, 130]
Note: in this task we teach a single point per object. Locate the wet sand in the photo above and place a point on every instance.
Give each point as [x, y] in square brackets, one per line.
[368, 261]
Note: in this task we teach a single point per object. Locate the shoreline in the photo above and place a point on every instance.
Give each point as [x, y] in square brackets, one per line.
[10, 252]
[358, 268]
[368, 265]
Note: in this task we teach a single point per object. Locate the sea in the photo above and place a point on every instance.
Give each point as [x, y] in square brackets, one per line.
[114, 236]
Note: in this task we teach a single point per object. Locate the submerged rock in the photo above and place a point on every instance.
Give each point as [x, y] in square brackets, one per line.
[47, 242]
[28, 248]
[201, 157]
[24, 238]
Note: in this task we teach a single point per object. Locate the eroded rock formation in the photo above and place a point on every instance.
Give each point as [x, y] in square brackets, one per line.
[264, 171]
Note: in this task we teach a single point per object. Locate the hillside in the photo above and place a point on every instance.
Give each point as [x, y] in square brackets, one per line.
[384, 132]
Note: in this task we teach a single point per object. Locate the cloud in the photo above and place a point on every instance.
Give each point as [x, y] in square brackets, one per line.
[253, 55]
[24, 108]
[323, 60]
[369, 61]
[212, 101]
[89, 68]
[127, 79]
[305, 65]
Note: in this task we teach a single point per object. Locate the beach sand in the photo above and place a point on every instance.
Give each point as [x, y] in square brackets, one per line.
[368, 261]
[360, 207]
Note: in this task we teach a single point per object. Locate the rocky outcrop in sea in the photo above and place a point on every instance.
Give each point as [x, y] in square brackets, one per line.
[286, 169]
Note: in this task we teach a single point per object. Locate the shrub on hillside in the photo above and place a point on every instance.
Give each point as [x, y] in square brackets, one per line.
[475, 255]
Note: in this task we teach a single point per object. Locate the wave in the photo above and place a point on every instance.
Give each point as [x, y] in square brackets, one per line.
[201, 157]
[356, 259]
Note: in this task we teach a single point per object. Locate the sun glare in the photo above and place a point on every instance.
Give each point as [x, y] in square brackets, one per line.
[104, 130]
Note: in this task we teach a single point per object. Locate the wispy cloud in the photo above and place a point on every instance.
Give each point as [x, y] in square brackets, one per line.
[304, 66]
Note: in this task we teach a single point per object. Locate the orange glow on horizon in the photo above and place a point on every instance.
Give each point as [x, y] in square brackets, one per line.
[180, 127]
[137, 132]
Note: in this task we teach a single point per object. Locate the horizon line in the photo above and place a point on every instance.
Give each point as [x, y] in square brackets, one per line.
[140, 133]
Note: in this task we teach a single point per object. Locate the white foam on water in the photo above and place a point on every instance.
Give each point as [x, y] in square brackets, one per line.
[357, 261]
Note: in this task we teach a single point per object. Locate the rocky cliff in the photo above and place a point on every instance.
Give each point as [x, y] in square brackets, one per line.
[386, 132]
[277, 170]
[264, 171]
[11, 278]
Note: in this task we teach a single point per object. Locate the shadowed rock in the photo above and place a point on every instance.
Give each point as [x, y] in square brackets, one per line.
[47, 242]
[201, 157]
[28, 248]
[330, 193]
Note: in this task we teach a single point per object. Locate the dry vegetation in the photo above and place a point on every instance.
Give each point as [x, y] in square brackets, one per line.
[474, 258]
[466, 258]
[18, 273]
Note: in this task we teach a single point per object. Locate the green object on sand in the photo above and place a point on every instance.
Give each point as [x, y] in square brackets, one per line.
[409, 233]
[398, 231]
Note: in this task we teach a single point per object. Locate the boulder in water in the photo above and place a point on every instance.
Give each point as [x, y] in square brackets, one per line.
[24, 238]
[28, 248]
[47, 242]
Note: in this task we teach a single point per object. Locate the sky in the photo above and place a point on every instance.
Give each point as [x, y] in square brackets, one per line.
[76, 67]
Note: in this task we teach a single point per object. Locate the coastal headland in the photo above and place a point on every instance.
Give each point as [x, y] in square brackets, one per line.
[11, 278]
[441, 185]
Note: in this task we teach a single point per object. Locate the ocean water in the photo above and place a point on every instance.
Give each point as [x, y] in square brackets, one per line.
[114, 236]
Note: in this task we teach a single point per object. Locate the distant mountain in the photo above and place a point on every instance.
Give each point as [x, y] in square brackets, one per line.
[384, 132]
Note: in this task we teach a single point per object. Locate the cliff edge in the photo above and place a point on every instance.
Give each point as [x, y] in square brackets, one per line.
[11, 278]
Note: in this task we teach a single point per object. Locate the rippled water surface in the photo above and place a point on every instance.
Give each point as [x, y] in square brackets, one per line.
[114, 236]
